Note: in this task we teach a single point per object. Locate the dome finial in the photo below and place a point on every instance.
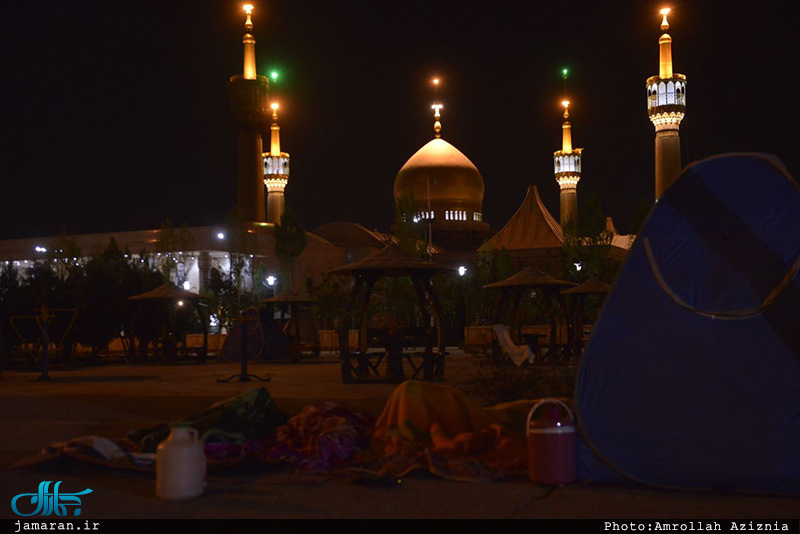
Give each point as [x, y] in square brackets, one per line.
[248, 23]
[437, 125]
[664, 23]
[565, 103]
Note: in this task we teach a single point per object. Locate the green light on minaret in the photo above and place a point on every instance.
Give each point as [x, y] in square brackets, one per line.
[274, 75]
[564, 72]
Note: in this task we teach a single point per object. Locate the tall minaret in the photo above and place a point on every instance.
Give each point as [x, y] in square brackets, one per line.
[666, 106]
[276, 171]
[567, 163]
[247, 104]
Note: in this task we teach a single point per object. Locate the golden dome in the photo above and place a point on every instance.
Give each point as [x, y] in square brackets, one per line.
[454, 182]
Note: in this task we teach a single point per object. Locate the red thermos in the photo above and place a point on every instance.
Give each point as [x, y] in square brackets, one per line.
[551, 443]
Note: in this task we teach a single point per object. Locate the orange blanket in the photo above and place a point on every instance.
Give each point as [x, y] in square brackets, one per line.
[440, 428]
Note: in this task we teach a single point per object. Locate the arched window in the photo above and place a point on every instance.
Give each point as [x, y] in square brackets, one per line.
[680, 91]
[670, 93]
[662, 94]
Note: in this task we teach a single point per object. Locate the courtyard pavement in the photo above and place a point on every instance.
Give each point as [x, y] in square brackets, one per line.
[111, 399]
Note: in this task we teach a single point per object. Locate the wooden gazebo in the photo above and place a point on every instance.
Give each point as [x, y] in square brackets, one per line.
[164, 294]
[392, 261]
[301, 328]
[592, 286]
[515, 285]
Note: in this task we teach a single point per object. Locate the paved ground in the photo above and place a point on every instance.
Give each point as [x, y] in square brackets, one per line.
[112, 399]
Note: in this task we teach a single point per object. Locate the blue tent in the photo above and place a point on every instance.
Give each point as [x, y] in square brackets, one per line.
[692, 376]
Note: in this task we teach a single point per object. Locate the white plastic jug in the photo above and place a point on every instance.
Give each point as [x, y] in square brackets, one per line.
[180, 465]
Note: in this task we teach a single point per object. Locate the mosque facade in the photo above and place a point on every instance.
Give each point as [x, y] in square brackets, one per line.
[442, 185]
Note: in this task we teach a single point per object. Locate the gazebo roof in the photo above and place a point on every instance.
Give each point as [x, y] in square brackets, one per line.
[288, 296]
[529, 277]
[589, 287]
[392, 260]
[168, 291]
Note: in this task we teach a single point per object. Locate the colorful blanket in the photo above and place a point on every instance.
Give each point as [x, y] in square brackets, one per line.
[427, 426]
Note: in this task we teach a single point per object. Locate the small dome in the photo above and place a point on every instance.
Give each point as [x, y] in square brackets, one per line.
[455, 183]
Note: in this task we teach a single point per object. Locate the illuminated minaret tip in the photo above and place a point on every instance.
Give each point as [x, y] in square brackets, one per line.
[665, 48]
[567, 162]
[249, 43]
[249, 110]
[276, 171]
[666, 106]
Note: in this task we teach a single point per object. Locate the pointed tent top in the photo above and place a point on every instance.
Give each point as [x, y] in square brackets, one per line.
[529, 277]
[589, 287]
[531, 227]
[392, 260]
[168, 291]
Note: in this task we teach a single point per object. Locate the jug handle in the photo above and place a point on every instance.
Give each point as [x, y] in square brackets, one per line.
[536, 407]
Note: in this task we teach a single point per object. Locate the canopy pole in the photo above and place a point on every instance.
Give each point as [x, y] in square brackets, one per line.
[437, 314]
[426, 320]
[515, 319]
[363, 342]
[344, 331]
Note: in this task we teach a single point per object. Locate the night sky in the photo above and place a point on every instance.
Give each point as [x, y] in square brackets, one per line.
[114, 114]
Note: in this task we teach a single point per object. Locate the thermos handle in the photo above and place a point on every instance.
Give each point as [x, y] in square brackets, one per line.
[536, 407]
[193, 433]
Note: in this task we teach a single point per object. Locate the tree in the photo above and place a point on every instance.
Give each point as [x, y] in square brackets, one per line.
[229, 296]
[481, 303]
[170, 249]
[587, 246]
[10, 304]
[331, 298]
[100, 294]
[407, 229]
[290, 241]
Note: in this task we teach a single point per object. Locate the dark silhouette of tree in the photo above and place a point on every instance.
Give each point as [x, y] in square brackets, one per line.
[11, 303]
[173, 250]
[290, 241]
[587, 246]
[409, 231]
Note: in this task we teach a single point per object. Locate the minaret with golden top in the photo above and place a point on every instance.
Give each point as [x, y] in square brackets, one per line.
[567, 163]
[247, 104]
[276, 171]
[666, 106]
